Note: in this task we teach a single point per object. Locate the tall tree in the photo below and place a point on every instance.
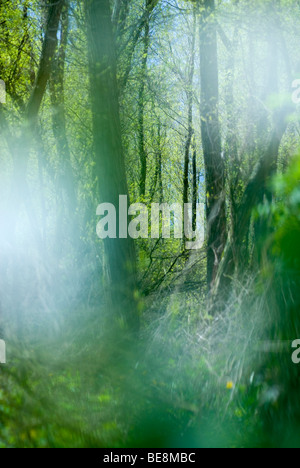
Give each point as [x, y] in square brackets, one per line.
[21, 148]
[256, 190]
[54, 9]
[109, 154]
[141, 102]
[157, 180]
[194, 187]
[211, 141]
[189, 95]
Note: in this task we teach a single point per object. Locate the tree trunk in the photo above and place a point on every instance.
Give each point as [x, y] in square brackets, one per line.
[211, 142]
[109, 156]
[253, 194]
[194, 188]
[20, 191]
[48, 51]
[141, 105]
[189, 95]
[232, 160]
[158, 166]
[20, 149]
[66, 183]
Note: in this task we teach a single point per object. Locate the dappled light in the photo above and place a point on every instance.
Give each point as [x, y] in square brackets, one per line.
[149, 223]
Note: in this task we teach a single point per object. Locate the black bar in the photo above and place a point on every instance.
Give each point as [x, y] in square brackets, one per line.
[136, 457]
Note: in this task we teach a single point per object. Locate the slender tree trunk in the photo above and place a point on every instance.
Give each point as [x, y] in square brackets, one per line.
[211, 141]
[21, 150]
[141, 105]
[20, 191]
[233, 164]
[194, 188]
[109, 155]
[190, 131]
[66, 180]
[257, 186]
[189, 95]
[187, 154]
[158, 163]
[54, 9]
[49, 47]
[158, 182]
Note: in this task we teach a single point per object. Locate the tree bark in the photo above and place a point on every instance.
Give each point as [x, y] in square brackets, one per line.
[20, 191]
[109, 155]
[141, 106]
[232, 160]
[189, 95]
[158, 167]
[253, 194]
[211, 141]
[20, 149]
[48, 51]
[194, 188]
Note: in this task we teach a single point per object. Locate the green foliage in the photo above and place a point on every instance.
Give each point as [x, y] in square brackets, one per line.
[204, 371]
[286, 217]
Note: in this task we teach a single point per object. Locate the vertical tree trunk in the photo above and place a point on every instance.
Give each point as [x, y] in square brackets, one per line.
[233, 165]
[141, 105]
[253, 193]
[158, 163]
[21, 150]
[54, 9]
[211, 141]
[194, 188]
[257, 187]
[48, 51]
[190, 131]
[20, 192]
[189, 95]
[66, 180]
[109, 156]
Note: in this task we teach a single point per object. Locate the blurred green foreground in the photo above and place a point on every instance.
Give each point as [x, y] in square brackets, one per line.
[191, 380]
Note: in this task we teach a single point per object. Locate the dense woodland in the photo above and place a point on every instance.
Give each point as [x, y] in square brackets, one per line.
[144, 342]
